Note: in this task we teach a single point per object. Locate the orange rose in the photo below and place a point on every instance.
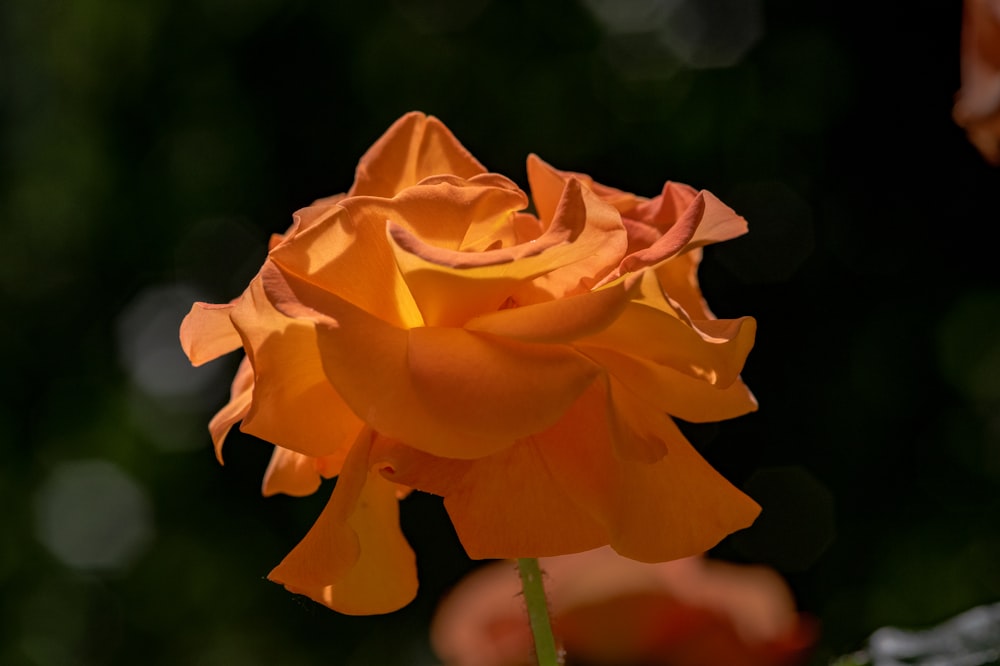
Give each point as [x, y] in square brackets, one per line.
[424, 332]
[977, 104]
[607, 609]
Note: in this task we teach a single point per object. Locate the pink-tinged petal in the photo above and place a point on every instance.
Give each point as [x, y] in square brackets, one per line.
[718, 223]
[561, 320]
[554, 195]
[298, 475]
[206, 332]
[351, 259]
[355, 559]
[674, 392]
[235, 410]
[662, 212]
[599, 246]
[446, 391]
[414, 147]
[706, 220]
[670, 243]
[294, 405]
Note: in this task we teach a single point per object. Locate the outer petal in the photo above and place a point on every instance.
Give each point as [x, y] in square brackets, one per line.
[206, 332]
[656, 512]
[235, 410]
[292, 473]
[355, 559]
[293, 405]
[414, 147]
[652, 329]
[565, 490]
[672, 391]
[529, 514]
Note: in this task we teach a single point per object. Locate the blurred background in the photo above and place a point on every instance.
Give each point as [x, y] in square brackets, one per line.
[149, 149]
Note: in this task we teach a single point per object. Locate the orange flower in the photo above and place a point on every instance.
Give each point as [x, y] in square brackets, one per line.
[977, 104]
[607, 609]
[424, 332]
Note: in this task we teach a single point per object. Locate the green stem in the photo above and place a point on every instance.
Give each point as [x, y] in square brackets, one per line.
[538, 612]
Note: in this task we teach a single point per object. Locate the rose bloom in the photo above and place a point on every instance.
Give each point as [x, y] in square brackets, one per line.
[425, 331]
[977, 104]
[607, 609]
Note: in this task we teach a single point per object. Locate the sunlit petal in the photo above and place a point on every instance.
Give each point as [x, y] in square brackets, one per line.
[414, 147]
[207, 333]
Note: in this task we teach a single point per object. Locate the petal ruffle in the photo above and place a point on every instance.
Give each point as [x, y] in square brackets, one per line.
[293, 404]
[355, 559]
[451, 286]
[207, 333]
[445, 391]
[351, 259]
[292, 473]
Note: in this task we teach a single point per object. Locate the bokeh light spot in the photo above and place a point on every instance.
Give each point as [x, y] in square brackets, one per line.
[149, 344]
[92, 516]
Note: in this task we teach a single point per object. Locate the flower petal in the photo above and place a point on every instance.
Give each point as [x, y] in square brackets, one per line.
[652, 329]
[674, 392]
[559, 320]
[486, 385]
[446, 211]
[673, 508]
[206, 332]
[529, 514]
[350, 258]
[451, 286]
[235, 410]
[547, 183]
[293, 404]
[446, 391]
[298, 475]
[564, 490]
[414, 147]
[679, 278]
[355, 559]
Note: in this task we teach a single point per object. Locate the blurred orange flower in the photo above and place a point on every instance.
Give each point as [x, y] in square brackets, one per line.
[607, 609]
[977, 104]
[423, 331]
